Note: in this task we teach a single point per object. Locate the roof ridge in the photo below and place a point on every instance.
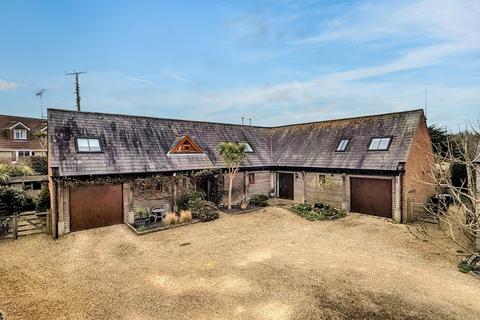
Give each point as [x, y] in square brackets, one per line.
[350, 118]
[156, 118]
[239, 125]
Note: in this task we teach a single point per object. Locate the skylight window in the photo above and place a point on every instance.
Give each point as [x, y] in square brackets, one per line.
[380, 143]
[342, 145]
[248, 148]
[88, 145]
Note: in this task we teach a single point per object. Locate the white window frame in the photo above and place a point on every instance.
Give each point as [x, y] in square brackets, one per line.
[88, 143]
[248, 147]
[342, 145]
[375, 144]
[22, 134]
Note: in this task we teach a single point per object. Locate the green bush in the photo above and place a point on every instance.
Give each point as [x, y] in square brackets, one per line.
[43, 200]
[20, 169]
[259, 200]
[13, 198]
[308, 212]
[184, 199]
[39, 164]
[464, 267]
[203, 210]
[141, 212]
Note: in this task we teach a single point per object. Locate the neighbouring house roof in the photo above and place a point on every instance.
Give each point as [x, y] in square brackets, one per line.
[134, 144]
[8, 123]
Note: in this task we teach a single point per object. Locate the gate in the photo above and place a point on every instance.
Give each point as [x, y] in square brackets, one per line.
[23, 224]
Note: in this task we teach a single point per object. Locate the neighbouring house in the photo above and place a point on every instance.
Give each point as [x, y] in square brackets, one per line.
[370, 164]
[20, 138]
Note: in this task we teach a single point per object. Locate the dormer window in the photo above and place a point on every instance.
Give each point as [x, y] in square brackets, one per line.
[185, 144]
[88, 145]
[380, 144]
[20, 134]
[342, 145]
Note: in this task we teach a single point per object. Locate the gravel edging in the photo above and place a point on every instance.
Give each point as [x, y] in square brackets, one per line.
[140, 233]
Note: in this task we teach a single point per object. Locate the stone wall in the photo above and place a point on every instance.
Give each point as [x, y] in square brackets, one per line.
[325, 188]
[261, 184]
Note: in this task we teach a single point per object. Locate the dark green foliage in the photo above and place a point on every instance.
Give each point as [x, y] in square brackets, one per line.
[259, 200]
[216, 192]
[39, 164]
[203, 210]
[13, 199]
[43, 200]
[184, 199]
[464, 267]
[439, 137]
[310, 213]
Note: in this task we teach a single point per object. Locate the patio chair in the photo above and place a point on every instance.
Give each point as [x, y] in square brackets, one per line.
[158, 213]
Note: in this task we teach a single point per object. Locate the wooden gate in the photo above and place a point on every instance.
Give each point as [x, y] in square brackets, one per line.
[23, 224]
[371, 196]
[285, 185]
[95, 206]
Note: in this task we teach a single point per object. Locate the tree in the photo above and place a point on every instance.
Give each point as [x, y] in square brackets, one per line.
[42, 138]
[460, 150]
[14, 199]
[233, 154]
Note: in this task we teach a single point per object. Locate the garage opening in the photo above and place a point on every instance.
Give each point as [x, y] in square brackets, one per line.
[95, 206]
[371, 196]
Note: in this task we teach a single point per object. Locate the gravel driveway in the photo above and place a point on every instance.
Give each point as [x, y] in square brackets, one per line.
[268, 264]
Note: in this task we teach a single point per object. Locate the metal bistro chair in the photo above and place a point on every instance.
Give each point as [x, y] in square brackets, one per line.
[157, 213]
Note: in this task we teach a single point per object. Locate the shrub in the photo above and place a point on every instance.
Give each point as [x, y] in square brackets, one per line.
[185, 198]
[203, 210]
[14, 199]
[43, 200]
[20, 169]
[464, 266]
[259, 200]
[4, 172]
[310, 213]
[141, 212]
[170, 219]
[39, 164]
[185, 216]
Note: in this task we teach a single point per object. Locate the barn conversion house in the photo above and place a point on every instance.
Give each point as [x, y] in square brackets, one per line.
[369, 164]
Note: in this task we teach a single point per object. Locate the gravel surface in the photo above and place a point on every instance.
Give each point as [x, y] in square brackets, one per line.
[268, 264]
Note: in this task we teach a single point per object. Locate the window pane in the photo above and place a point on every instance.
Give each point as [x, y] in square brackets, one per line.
[82, 145]
[94, 145]
[374, 144]
[247, 147]
[342, 145]
[384, 143]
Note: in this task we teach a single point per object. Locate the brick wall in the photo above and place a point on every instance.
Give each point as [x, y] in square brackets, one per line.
[417, 169]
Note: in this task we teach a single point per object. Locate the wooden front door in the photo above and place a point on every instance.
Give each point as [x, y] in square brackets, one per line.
[95, 206]
[371, 196]
[285, 185]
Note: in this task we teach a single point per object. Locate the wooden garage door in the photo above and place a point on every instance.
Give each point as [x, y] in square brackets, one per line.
[371, 196]
[95, 206]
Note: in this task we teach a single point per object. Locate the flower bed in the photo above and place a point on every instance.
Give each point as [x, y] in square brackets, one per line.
[311, 213]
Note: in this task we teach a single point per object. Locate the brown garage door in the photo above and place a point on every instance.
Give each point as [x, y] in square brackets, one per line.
[371, 196]
[95, 206]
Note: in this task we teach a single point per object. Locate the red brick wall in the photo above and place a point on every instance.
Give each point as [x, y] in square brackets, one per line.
[417, 169]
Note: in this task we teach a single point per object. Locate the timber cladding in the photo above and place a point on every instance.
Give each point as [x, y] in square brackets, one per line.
[94, 206]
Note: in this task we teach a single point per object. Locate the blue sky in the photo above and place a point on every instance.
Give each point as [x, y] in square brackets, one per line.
[276, 62]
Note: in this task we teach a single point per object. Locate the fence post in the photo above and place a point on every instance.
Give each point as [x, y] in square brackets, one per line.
[14, 226]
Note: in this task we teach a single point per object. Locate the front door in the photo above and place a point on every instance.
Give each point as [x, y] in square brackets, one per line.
[285, 185]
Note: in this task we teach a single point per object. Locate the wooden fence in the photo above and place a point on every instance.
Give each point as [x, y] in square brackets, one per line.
[24, 224]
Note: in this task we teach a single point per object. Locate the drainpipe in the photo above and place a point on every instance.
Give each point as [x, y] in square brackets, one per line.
[55, 210]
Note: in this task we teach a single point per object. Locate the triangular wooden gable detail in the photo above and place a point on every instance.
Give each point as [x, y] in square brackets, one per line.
[186, 145]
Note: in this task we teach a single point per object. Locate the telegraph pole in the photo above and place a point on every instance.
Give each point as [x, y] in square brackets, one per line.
[77, 85]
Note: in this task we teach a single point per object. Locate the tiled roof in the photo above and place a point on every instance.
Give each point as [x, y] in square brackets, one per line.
[133, 144]
[34, 124]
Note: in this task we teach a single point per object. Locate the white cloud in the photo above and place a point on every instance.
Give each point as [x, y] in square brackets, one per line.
[142, 80]
[6, 85]
[178, 77]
